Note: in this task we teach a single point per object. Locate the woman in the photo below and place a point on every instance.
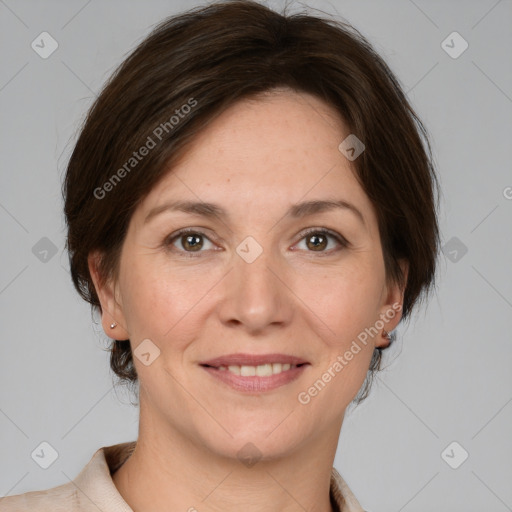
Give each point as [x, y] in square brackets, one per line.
[251, 207]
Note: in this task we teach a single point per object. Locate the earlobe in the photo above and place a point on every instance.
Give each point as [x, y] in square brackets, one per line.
[112, 317]
[391, 312]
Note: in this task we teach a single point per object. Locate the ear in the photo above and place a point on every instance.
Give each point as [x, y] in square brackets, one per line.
[111, 305]
[391, 309]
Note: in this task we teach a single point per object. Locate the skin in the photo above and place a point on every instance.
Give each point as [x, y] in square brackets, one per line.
[255, 160]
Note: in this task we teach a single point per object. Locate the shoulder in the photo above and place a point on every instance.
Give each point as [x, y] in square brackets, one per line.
[92, 490]
[63, 498]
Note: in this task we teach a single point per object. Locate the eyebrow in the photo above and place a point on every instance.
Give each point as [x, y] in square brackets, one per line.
[210, 210]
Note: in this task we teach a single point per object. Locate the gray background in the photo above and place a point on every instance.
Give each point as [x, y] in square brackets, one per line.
[448, 376]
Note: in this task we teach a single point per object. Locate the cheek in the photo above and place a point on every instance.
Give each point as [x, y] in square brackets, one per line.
[334, 386]
[144, 297]
[158, 302]
[347, 300]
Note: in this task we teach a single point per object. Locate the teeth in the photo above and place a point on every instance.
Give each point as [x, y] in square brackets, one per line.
[262, 370]
[234, 369]
[247, 371]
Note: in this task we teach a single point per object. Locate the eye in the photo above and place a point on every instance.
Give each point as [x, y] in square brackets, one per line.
[317, 239]
[190, 240]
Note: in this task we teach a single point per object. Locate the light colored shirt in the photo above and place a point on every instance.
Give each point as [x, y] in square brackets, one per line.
[94, 490]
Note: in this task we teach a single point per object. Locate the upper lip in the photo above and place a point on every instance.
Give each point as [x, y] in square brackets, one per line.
[253, 360]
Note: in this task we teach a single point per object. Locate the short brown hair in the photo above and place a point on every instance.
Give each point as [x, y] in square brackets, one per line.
[215, 56]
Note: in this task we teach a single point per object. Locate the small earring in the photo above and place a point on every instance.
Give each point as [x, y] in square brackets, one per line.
[113, 325]
[385, 334]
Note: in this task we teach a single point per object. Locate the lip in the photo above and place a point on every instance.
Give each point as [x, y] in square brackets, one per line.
[252, 360]
[255, 384]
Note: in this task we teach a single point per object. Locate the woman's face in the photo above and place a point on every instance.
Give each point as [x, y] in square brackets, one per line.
[259, 278]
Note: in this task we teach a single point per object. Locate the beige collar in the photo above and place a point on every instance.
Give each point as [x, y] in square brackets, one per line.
[93, 489]
[342, 497]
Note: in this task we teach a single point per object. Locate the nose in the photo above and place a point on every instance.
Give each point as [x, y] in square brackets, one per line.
[256, 296]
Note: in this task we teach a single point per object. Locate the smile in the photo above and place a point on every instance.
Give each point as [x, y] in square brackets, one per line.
[258, 377]
[262, 370]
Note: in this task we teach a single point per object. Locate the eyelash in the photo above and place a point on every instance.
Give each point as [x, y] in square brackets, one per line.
[169, 241]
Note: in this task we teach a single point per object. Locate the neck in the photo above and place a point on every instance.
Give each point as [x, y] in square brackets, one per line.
[168, 471]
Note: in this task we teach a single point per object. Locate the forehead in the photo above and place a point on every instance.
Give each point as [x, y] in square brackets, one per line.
[271, 150]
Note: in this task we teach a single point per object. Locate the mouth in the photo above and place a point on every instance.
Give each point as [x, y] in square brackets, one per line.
[255, 373]
[262, 370]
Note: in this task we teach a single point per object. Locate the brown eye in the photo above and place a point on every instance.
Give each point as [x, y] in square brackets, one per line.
[316, 242]
[192, 242]
[188, 241]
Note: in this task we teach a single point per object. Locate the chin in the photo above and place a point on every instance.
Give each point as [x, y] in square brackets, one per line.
[255, 440]
[251, 448]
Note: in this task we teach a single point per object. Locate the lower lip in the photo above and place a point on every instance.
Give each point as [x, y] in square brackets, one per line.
[255, 384]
